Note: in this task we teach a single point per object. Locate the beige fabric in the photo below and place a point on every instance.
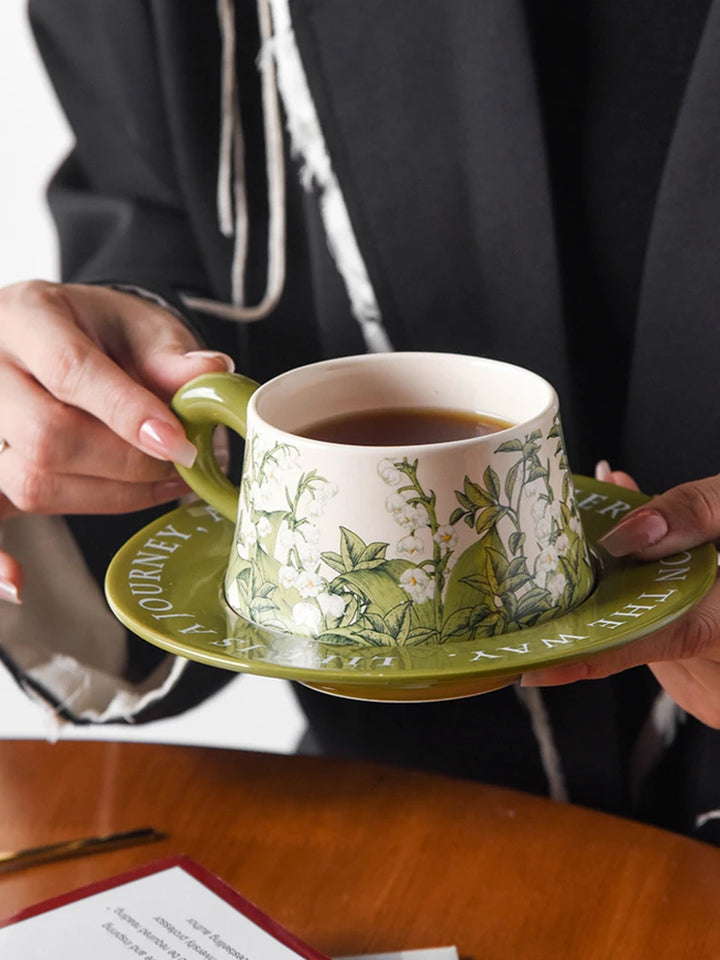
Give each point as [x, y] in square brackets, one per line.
[65, 643]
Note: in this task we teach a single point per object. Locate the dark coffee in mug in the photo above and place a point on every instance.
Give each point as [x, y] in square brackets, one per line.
[402, 426]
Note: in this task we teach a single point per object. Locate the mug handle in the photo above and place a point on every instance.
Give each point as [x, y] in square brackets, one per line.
[201, 404]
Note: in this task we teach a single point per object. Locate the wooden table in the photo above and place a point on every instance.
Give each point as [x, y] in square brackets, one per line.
[357, 858]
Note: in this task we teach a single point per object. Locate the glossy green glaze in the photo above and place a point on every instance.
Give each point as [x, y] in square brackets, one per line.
[201, 405]
[173, 598]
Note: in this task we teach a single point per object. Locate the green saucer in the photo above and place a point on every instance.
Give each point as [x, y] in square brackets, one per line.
[166, 585]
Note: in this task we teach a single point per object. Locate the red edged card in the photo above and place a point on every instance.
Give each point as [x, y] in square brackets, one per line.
[172, 909]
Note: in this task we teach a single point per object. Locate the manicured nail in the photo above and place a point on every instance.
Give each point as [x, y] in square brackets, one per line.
[170, 489]
[213, 355]
[9, 592]
[641, 529]
[602, 470]
[167, 442]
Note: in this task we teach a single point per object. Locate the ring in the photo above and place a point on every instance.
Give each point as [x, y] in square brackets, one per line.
[3, 444]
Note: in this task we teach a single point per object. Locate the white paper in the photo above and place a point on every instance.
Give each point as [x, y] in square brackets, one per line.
[165, 916]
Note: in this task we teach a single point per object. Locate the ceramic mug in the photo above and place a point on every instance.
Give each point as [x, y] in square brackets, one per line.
[392, 545]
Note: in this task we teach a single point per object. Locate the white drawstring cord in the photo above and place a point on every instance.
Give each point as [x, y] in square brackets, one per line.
[231, 176]
[226, 16]
[308, 142]
[280, 66]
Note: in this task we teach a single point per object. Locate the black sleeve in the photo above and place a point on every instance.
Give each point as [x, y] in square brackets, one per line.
[116, 199]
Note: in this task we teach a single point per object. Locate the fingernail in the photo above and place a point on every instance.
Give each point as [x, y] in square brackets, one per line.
[9, 592]
[213, 355]
[163, 440]
[641, 529]
[170, 489]
[602, 470]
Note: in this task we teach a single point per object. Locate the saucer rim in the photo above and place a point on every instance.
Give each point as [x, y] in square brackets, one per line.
[319, 675]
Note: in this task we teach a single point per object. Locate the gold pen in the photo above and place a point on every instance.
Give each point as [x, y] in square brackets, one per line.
[16, 859]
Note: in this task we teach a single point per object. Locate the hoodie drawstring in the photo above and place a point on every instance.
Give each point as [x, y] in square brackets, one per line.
[231, 195]
[281, 67]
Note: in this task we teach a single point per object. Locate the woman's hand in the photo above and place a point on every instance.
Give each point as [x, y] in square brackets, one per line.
[85, 376]
[685, 657]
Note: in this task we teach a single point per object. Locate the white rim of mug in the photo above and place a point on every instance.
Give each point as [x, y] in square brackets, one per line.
[386, 449]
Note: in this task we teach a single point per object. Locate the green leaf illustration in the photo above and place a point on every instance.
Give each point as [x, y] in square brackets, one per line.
[510, 446]
[464, 501]
[334, 560]
[260, 605]
[351, 548]
[516, 542]
[380, 586]
[478, 582]
[457, 624]
[374, 551]
[422, 635]
[537, 471]
[351, 635]
[476, 495]
[457, 514]
[490, 518]
[534, 602]
[496, 568]
[266, 589]
[398, 621]
[511, 478]
[492, 483]
[350, 614]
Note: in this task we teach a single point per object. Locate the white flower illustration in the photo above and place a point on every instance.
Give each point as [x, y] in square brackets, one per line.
[417, 584]
[556, 585]
[410, 516]
[562, 545]
[284, 542]
[389, 473]
[309, 554]
[315, 509]
[543, 527]
[309, 583]
[261, 444]
[308, 616]
[331, 604]
[261, 495]
[263, 527]
[446, 536]
[326, 491]
[537, 506]
[249, 535]
[555, 510]
[575, 523]
[397, 501]
[273, 474]
[411, 546]
[547, 561]
[287, 577]
[309, 533]
[287, 458]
